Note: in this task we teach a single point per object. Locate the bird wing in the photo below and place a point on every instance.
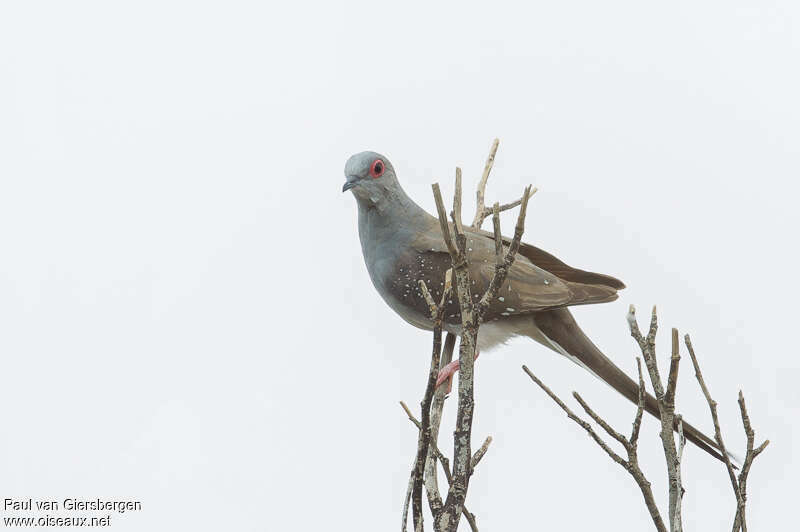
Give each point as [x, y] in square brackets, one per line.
[528, 287]
[552, 264]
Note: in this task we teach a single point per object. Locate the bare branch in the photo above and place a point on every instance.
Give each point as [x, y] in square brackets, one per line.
[498, 237]
[647, 346]
[434, 308]
[480, 208]
[476, 458]
[631, 465]
[456, 214]
[448, 286]
[431, 480]
[600, 421]
[424, 438]
[570, 414]
[501, 269]
[676, 517]
[672, 378]
[637, 421]
[515, 203]
[434, 452]
[739, 484]
[448, 240]
[410, 415]
[739, 521]
[666, 406]
[471, 317]
[425, 428]
[409, 490]
[712, 405]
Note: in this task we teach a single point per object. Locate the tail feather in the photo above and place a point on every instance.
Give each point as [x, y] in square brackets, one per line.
[559, 329]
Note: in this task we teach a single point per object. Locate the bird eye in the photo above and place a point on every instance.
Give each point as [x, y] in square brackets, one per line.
[377, 169]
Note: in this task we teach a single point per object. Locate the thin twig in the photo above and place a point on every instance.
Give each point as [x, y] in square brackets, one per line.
[471, 317]
[456, 214]
[431, 480]
[456, 494]
[637, 421]
[739, 521]
[600, 421]
[739, 484]
[631, 465]
[502, 267]
[712, 405]
[498, 237]
[570, 414]
[424, 440]
[476, 458]
[408, 490]
[666, 405]
[672, 378]
[448, 240]
[677, 512]
[513, 204]
[480, 208]
[433, 448]
[435, 452]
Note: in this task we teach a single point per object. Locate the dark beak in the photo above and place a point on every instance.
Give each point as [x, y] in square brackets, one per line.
[352, 181]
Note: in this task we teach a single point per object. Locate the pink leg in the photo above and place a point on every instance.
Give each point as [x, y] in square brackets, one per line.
[447, 372]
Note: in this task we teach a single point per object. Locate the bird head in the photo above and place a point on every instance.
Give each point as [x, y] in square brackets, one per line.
[370, 176]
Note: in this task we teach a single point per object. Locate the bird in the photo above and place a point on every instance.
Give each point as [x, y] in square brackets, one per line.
[402, 244]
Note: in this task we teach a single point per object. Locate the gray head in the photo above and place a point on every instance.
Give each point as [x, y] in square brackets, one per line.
[371, 177]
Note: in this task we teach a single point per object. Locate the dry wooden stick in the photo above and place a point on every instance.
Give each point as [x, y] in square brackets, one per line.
[666, 407]
[424, 438]
[476, 458]
[712, 405]
[513, 204]
[480, 208]
[503, 264]
[471, 317]
[435, 452]
[631, 465]
[740, 521]
[481, 211]
[739, 484]
[439, 396]
[410, 488]
[677, 511]
[446, 513]
[448, 518]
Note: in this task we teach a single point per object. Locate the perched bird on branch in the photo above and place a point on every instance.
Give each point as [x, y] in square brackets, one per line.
[403, 244]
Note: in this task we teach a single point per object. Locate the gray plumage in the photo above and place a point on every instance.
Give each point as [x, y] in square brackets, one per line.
[402, 244]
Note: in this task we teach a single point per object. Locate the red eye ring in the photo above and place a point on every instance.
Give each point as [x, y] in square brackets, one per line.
[377, 168]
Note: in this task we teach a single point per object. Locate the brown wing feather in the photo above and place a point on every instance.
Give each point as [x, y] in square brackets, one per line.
[548, 262]
[557, 267]
[529, 287]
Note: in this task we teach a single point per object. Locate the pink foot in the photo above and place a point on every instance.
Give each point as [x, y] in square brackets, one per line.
[447, 372]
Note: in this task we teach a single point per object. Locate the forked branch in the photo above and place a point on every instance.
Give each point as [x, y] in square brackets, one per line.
[739, 484]
[446, 513]
[673, 452]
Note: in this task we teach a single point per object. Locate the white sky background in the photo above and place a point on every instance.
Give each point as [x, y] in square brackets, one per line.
[185, 316]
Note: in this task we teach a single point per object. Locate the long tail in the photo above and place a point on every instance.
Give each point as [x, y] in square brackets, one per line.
[564, 336]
